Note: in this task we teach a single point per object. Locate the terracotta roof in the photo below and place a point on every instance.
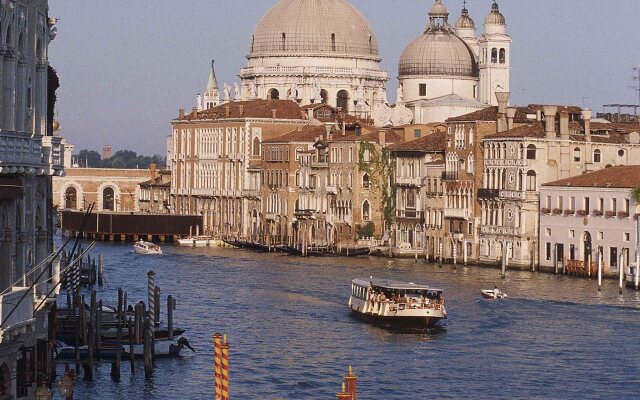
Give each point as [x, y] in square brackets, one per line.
[491, 114]
[285, 109]
[435, 142]
[390, 136]
[626, 176]
[569, 109]
[307, 133]
[536, 130]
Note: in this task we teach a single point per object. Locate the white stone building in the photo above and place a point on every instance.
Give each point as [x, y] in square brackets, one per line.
[29, 156]
[562, 143]
[587, 215]
[447, 71]
[314, 51]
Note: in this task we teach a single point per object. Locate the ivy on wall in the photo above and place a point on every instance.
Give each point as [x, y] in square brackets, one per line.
[380, 170]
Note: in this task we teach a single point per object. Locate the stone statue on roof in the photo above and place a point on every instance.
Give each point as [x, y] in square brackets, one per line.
[236, 90]
[227, 92]
[252, 89]
[316, 96]
[399, 95]
[293, 92]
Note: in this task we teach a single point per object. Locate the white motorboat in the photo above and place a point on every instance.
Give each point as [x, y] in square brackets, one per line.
[200, 241]
[142, 247]
[396, 304]
[493, 294]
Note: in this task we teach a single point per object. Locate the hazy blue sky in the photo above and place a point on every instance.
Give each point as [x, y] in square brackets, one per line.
[126, 67]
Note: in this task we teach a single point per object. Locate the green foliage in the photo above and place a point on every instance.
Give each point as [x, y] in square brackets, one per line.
[366, 231]
[635, 194]
[88, 159]
[121, 159]
[380, 170]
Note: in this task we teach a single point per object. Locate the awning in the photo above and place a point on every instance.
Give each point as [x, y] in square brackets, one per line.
[10, 188]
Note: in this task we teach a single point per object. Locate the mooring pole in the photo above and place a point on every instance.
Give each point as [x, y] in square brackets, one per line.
[99, 330]
[637, 269]
[170, 306]
[131, 348]
[156, 296]
[225, 369]
[217, 364]
[100, 270]
[621, 270]
[599, 271]
[151, 282]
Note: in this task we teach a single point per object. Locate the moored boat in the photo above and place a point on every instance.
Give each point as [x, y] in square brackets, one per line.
[396, 304]
[142, 247]
[200, 241]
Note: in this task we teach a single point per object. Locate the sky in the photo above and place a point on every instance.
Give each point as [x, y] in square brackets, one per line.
[126, 67]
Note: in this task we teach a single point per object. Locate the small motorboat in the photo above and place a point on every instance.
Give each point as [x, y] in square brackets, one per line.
[142, 247]
[200, 241]
[163, 348]
[493, 294]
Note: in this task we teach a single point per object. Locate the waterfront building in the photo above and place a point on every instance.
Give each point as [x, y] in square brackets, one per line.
[447, 71]
[292, 212]
[587, 215]
[154, 194]
[419, 195]
[561, 143]
[109, 189]
[313, 51]
[216, 157]
[360, 201]
[30, 154]
[464, 170]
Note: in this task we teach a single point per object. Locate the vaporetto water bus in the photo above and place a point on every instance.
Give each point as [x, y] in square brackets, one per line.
[396, 304]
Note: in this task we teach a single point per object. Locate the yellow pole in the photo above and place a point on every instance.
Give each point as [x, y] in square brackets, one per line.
[343, 395]
[350, 380]
[225, 369]
[217, 347]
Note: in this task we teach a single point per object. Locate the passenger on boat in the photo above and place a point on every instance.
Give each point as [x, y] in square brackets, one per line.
[394, 297]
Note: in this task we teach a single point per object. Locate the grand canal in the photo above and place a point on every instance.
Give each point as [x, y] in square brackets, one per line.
[291, 335]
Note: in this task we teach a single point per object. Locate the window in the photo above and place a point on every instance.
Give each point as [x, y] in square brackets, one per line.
[613, 256]
[572, 203]
[365, 181]
[614, 205]
[256, 147]
[572, 233]
[597, 156]
[626, 206]
[366, 210]
[333, 42]
[411, 199]
[503, 56]
[621, 153]
[576, 154]
[548, 232]
[494, 55]
[342, 101]
[531, 152]
[417, 133]
[548, 251]
[548, 202]
[108, 199]
[274, 94]
[422, 89]
[627, 236]
[600, 235]
[560, 201]
[284, 42]
[586, 205]
[572, 252]
[531, 180]
[600, 204]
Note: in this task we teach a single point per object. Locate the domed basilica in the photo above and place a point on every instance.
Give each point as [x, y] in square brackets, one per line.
[312, 51]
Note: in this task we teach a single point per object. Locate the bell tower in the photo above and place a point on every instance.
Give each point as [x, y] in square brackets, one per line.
[495, 57]
[211, 93]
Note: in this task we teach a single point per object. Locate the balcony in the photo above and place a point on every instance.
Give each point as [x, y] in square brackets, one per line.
[459, 213]
[333, 71]
[270, 216]
[319, 164]
[449, 176]
[21, 153]
[411, 214]
[254, 193]
[501, 230]
[332, 189]
[409, 181]
[53, 155]
[488, 193]
[512, 194]
[503, 162]
[23, 314]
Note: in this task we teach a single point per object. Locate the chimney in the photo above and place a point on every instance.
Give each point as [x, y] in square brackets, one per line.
[226, 110]
[382, 138]
[274, 113]
[538, 115]
[586, 119]
[550, 121]
[194, 111]
[153, 167]
[564, 124]
[241, 107]
[181, 113]
[310, 114]
[503, 101]
[511, 114]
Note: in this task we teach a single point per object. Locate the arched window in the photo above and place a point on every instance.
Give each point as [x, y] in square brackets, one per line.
[494, 55]
[366, 211]
[576, 154]
[411, 199]
[531, 180]
[503, 56]
[342, 101]
[365, 181]
[108, 199]
[283, 46]
[29, 95]
[256, 147]
[333, 42]
[273, 94]
[597, 157]
[370, 45]
[71, 198]
[531, 152]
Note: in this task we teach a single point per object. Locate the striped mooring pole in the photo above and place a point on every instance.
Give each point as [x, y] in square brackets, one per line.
[225, 369]
[217, 364]
[151, 283]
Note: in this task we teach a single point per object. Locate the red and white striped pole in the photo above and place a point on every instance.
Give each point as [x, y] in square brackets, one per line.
[217, 348]
[225, 369]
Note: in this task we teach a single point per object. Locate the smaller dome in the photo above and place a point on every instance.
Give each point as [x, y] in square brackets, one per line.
[465, 21]
[438, 9]
[495, 17]
[55, 125]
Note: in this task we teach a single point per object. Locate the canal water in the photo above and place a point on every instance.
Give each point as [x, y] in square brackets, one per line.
[292, 337]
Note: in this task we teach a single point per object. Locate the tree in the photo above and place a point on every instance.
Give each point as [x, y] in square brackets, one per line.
[88, 159]
[635, 194]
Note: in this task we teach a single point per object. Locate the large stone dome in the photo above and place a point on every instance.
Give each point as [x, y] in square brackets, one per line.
[437, 53]
[311, 27]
